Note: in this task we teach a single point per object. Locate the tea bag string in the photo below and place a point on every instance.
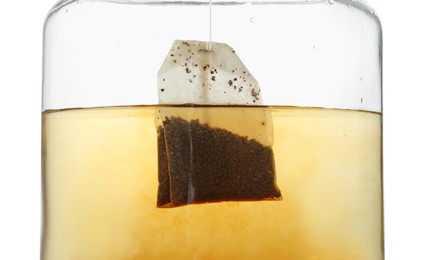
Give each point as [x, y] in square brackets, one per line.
[209, 43]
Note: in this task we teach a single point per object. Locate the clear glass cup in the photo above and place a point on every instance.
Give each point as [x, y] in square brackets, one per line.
[111, 141]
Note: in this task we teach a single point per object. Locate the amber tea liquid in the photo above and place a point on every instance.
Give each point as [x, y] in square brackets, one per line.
[101, 183]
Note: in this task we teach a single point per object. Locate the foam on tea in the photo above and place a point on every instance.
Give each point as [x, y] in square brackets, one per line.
[201, 157]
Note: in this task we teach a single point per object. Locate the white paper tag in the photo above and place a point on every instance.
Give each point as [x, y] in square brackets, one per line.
[192, 75]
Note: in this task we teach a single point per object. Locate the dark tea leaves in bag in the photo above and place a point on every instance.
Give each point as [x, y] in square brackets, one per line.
[202, 164]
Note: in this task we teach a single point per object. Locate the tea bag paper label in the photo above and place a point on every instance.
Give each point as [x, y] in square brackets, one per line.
[192, 75]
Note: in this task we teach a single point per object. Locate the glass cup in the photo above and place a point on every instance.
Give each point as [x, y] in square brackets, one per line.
[212, 130]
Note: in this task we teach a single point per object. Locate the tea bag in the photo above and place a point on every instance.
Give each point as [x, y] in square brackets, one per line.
[210, 147]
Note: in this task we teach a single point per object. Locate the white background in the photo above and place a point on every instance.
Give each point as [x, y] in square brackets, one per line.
[21, 24]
